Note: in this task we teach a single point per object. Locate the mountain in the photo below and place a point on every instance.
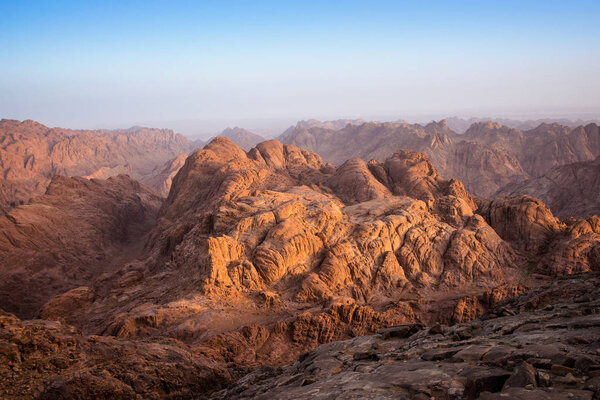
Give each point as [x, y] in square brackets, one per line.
[259, 256]
[571, 190]
[486, 157]
[483, 170]
[243, 138]
[461, 125]
[542, 148]
[255, 258]
[31, 154]
[314, 123]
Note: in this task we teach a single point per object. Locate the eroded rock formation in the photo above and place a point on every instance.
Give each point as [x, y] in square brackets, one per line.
[259, 256]
[256, 257]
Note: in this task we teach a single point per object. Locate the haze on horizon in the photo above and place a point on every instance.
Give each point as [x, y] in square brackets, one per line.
[213, 64]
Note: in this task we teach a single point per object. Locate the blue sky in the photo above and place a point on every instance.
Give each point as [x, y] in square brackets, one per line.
[104, 63]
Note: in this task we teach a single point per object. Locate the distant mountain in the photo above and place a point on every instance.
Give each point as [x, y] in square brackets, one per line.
[541, 148]
[486, 157]
[571, 190]
[314, 123]
[31, 154]
[460, 125]
[242, 137]
[483, 170]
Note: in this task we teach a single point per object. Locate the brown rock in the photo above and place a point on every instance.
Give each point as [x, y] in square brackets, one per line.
[523, 375]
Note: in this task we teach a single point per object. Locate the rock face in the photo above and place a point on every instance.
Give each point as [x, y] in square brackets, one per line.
[571, 190]
[70, 236]
[541, 345]
[487, 157]
[557, 247]
[242, 137]
[161, 177]
[31, 154]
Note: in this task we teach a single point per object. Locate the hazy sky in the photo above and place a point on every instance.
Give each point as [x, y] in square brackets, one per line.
[103, 63]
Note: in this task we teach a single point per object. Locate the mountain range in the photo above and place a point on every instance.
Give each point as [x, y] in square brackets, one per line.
[487, 157]
[275, 272]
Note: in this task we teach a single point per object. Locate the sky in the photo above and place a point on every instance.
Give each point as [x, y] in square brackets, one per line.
[209, 64]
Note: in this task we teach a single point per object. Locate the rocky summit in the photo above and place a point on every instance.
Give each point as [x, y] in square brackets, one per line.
[272, 257]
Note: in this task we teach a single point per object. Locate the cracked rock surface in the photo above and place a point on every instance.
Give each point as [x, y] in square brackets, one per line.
[544, 344]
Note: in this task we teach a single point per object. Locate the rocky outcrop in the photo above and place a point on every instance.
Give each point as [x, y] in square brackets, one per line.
[31, 154]
[571, 190]
[69, 236]
[554, 247]
[48, 360]
[541, 345]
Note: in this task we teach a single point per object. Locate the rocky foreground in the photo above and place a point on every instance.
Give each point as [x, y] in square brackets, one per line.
[544, 344]
[541, 345]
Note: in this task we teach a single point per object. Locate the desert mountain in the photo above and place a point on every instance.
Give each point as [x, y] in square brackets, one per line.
[256, 257]
[31, 154]
[571, 190]
[314, 123]
[539, 345]
[461, 125]
[242, 137]
[486, 157]
[483, 170]
[259, 256]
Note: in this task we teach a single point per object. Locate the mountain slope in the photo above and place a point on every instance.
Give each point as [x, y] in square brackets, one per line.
[571, 190]
[31, 154]
[70, 236]
[535, 346]
[483, 170]
[542, 148]
[486, 157]
[256, 257]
